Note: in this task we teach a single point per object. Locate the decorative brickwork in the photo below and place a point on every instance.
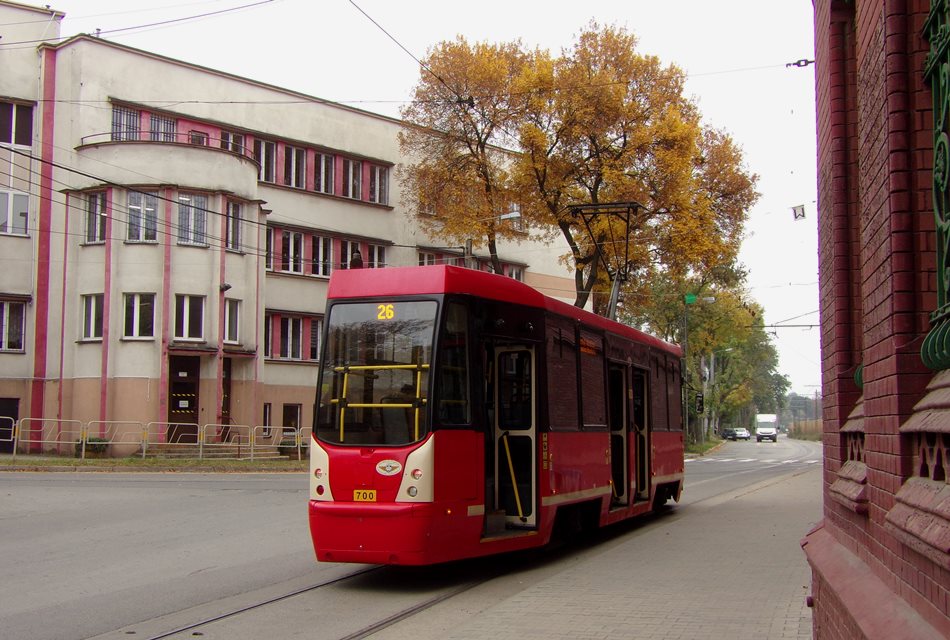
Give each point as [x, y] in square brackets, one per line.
[880, 556]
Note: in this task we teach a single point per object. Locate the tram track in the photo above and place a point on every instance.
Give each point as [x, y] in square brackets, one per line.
[263, 603]
[447, 593]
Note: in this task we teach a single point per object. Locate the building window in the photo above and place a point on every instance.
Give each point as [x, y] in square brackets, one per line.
[12, 315]
[162, 128]
[291, 334]
[266, 421]
[268, 323]
[16, 124]
[269, 249]
[126, 124]
[233, 142]
[316, 329]
[143, 216]
[323, 173]
[96, 218]
[198, 137]
[192, 218]
[139, 315]
[379, 185]
[375, 256]
[14, 212]
[516, 272]
[232, 232]
[352, 172]
[92, 316]
[292, 416]
[232, 310]
[291, 252]
[426, 258]
[295, 167]
[265, 152]
[347, 247]
[322, 259]
[189, 317]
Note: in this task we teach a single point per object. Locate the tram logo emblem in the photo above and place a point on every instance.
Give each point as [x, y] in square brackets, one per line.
[388, 467]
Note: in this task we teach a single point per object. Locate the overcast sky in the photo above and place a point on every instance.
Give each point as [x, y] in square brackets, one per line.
[735, 53]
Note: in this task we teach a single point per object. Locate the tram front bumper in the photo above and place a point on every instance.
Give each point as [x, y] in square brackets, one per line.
[378, 534]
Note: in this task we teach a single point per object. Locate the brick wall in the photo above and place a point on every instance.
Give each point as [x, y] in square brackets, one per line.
[877, 288]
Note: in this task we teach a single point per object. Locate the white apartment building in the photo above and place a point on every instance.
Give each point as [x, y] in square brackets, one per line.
[167, 232]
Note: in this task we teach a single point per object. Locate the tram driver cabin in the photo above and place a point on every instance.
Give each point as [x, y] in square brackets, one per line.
[461, 413]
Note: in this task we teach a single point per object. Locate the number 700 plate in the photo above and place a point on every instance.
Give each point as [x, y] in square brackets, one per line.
[364, 495]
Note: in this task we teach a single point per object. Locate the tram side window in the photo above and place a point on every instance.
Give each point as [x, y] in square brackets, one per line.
[562, 375]
[660, 421]
[453, 398]
[593, 393]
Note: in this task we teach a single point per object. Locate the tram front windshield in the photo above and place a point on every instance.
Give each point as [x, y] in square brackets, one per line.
[375, 373]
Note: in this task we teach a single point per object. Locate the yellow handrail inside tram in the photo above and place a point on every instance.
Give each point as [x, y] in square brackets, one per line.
[514, 480]
[347, 369]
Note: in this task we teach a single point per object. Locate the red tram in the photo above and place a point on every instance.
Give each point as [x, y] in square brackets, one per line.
[461, 414]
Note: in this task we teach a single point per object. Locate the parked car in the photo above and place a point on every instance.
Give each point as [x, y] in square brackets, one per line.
[741, 434]
[766, 433]
[728, 434]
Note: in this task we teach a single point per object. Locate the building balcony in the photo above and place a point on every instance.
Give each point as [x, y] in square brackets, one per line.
[177, 160]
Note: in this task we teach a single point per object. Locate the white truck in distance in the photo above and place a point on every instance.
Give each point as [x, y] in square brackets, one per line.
[766, 427]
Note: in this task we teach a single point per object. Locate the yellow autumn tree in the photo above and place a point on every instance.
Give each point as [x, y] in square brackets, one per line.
[606, 124]
[466, 105]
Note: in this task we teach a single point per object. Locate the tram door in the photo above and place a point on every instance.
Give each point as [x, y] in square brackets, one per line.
[514, 435]
[641, 434]
[619, 449]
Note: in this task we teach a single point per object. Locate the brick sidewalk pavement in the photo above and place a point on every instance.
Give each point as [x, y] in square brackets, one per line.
[729, 569]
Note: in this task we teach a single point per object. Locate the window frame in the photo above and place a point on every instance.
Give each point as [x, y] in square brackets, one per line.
[269, 249]
[234, 221]
[323, 172]
[291, 252]
[126, 123]
[8, 213]
[162, 128]
[19, 135]
[232, 321]
[379, 184]
[352, 179]
[184, 317]
[8, 330]
[321, 256]
[139, 214]
[287, 349]
[91, 328]
[233, 142]
[134, 303]
[265, 153]
[375, 257]
[193, 219]
[95, 220]
[295, 167]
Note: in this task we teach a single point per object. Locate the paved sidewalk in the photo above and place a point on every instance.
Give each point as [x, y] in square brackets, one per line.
[729, 568]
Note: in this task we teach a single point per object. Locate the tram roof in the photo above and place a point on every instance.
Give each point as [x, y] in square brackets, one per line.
[443, 279]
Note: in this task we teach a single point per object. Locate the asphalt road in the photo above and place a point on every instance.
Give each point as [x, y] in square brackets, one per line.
[139, 555]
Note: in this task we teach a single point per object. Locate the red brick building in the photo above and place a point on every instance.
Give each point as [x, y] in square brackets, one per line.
[881, 556]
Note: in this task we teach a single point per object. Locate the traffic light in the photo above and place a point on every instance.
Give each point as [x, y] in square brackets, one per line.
[700, 404]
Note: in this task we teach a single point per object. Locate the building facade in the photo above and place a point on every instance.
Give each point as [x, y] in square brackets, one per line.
[167, 234]
[881, 556]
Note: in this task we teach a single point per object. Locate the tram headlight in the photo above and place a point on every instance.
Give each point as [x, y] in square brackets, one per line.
[412, 491]
[416, 474]
[318, 473]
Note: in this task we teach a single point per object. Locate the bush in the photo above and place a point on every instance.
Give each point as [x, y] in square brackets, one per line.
[94, 446]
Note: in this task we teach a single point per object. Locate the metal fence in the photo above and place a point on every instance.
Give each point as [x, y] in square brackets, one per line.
[99, 438]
